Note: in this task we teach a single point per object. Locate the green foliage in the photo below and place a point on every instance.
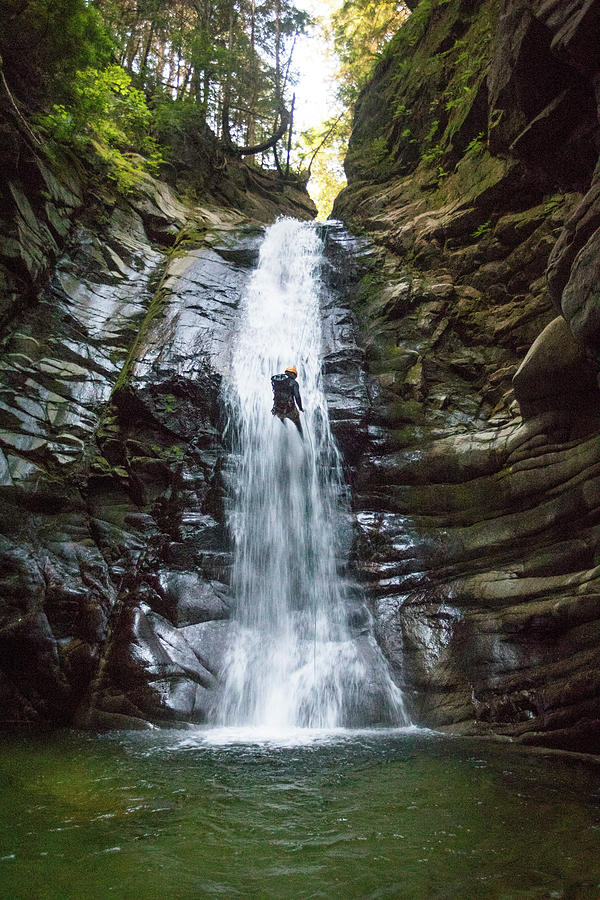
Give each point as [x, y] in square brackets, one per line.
[468, 64]
[419, 21]
[357, 30]
[476, 145]
[105, 104]
[468, 58]
[360, 30]
[482, 229]
[230, 59]
[370, 287]
[173, 454]
[432, 130]
[373, 157]
[402, 69]
[401, 111]
[110, 116]
[412, 30]
[101, 466]
[167, 404]
[433, 154]
[323, 150]
[44, 42]
[553, 204]
[182, 117]
[376, 152]
[495, 117]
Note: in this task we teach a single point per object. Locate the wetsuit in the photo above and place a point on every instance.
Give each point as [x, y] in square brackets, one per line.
[287, 402]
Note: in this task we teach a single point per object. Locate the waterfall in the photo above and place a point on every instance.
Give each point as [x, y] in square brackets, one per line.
[294, 660]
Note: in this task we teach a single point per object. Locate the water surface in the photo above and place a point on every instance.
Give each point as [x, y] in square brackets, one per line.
[309, 814]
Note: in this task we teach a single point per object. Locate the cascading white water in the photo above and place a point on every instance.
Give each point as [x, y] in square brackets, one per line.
[292, 660]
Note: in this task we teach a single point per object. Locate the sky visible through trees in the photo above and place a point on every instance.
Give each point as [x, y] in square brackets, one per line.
[334, 59]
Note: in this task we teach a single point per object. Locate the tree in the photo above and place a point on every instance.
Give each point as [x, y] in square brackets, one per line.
[232, 58]
[43, 43]
[321, 152]
[360, 29]
[252, 81]
[225, 64]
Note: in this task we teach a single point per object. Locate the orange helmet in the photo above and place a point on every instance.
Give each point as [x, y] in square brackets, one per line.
[292, 371]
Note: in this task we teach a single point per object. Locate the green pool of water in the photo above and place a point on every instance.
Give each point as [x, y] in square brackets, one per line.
[374, 815]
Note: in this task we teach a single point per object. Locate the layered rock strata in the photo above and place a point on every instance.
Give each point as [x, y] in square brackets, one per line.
[113, 556]
[472, 168]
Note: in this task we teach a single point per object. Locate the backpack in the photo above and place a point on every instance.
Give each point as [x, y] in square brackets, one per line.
[283, 387]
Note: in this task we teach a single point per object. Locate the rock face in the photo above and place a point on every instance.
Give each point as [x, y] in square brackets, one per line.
[113, 556]
[472, 170]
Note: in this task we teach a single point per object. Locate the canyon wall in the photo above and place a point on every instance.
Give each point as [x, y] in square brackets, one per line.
[472, 169]
[117, 312]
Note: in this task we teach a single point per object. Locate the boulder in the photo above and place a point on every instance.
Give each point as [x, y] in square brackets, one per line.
[555, 375]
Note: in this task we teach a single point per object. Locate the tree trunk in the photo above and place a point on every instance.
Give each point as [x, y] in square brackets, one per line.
[289, 143]
[144, 62]
[278, 51]
[276, 158]
[182, 89]
[250, 120]
[225, 129]
[206, 91]
[133, 42]
[173, 70]
[266, 144]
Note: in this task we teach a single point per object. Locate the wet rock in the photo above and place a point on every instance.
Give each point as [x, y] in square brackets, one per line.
[348, 398]
[578, 229]
[194, 600]
[55, 606]
[36, 219]
[464, 647]
[82, 561]
[162, 213]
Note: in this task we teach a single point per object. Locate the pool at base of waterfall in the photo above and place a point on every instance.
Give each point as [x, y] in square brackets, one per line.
[238, 813]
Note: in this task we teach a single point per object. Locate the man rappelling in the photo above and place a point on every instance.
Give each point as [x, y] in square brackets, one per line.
[287, 403]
